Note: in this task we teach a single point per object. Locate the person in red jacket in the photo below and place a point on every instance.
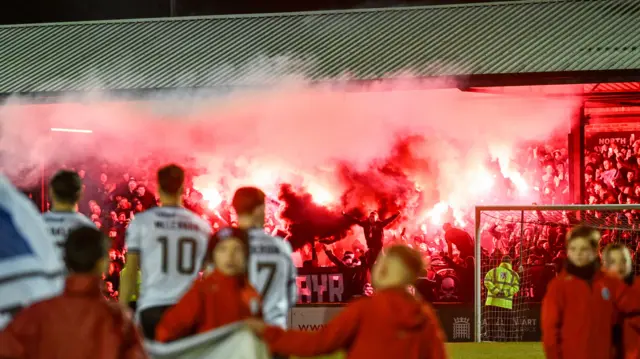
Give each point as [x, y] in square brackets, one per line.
[80, 323]
[221, 297]
[390, 324]
[579, 309]
[626, 339]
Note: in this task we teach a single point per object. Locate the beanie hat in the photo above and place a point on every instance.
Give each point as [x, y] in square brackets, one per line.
[226, 233]
[410, 258]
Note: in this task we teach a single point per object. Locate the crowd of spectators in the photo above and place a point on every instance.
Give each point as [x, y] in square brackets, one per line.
[612, 174]
[545, 169]
[113, 196]
[537, 244]
[450, 275]
[111, 200]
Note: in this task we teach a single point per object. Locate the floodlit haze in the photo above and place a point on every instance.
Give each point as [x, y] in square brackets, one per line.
[398, 144]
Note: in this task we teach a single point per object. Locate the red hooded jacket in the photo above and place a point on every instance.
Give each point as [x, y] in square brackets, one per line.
[630, 331]
[212, 302]
[391, 324]
[78, 324]
[578, 315]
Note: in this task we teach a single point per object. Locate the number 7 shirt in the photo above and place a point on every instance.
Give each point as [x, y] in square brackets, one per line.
[171, 243]
[273, 274]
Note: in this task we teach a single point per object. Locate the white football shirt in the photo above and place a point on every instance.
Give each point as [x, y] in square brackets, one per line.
[171, 242]
[30, 270]
[60, 224]
[273, 275]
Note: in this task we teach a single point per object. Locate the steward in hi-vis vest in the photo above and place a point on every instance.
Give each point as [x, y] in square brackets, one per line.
[502, 284]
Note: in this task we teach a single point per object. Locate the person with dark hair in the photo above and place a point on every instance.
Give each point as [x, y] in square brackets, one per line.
[392, 323]
[145, 198]
[65, 189]
[86, 250]
[170, 181]
[46, 329]
[459, 238]
[249, 204]
[170, 242]
[373, 228]
[464, 270]
[221, 297]
[580, 307]
[271, 269]
[353, 271]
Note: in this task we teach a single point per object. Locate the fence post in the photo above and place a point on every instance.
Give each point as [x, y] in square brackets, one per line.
[477, 313]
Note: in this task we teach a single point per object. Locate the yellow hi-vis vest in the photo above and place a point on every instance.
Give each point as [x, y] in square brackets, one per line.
[134, 295]
[502, 284]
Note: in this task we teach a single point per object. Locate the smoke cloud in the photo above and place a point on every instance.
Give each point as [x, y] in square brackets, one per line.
[394, 145]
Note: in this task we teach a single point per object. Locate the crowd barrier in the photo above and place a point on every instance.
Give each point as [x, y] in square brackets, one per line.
[456, 318]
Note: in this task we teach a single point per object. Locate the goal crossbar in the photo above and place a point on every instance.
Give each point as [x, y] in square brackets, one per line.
[566, 207]
[478, 305]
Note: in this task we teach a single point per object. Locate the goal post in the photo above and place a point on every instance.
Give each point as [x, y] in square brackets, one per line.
[532, 240]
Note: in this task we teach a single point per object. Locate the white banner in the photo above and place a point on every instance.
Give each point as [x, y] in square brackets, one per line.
[229, 342]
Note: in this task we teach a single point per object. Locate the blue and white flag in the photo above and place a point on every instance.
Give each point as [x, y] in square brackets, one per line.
[30, 269]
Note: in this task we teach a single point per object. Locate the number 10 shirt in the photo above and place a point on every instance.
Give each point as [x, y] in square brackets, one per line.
[171, 243]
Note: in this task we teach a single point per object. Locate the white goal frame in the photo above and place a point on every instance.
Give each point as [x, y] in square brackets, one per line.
[478, 250]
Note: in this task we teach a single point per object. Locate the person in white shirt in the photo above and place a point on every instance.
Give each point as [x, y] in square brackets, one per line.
[170, 243]
[65, 190]
[30, 270]
[271, 268]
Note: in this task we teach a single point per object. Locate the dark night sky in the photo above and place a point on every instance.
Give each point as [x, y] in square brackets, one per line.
[38, 11]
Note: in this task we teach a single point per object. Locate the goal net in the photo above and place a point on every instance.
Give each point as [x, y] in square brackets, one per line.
[520, 249]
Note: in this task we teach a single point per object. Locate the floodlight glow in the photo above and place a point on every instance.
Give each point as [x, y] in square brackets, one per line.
[73, 130]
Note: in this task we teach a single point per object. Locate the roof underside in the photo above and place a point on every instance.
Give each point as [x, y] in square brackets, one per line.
[487, 39]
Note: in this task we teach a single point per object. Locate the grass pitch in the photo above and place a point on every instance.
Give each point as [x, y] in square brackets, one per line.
[483, 351]
[495, 350]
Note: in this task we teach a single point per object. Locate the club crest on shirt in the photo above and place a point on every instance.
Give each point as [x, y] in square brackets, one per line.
[605, 293]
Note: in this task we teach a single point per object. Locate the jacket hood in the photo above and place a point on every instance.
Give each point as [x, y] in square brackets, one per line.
[402, 308]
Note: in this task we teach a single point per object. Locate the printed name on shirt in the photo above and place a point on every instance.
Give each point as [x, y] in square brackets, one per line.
[188, 226]
[59, 231]
[265, 250]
